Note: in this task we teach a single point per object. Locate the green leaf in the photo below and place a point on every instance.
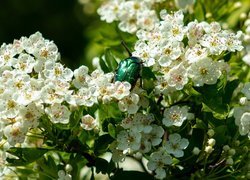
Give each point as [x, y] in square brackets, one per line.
[25, 155]
[101, 165]
[147, 73]
[200, 124]
[199, 12]
[111, 130]
[107, 111]
[110, 60]
[103, 65]
[47, 167]
[131, 175]
[220, 134]
[218, 111]
[102, 144]
[191, 91]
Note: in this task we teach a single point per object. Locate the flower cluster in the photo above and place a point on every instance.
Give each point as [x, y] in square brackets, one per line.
[242, 113]
[34, 84]
[164, 49]
[142, 135]
[246, 40]
[133, 14]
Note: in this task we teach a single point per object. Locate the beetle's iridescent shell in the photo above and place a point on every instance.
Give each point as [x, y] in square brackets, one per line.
[129, 70]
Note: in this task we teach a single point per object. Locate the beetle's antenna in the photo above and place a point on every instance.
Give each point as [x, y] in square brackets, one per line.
[126, 47]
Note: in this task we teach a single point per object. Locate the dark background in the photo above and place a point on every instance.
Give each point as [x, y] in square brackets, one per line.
[62, 21]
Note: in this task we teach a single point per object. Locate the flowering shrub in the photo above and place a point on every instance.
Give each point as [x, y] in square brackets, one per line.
[188, 115]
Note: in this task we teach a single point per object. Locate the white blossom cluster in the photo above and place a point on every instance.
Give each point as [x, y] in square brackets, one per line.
[180, 53]
[246, 40]
[242, 113]
[132, 15]
[142, 135]
[34, 83]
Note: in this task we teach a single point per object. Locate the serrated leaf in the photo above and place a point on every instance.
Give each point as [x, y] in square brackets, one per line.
[110, 60]
[25, 155]
[218, 111]
[102, 144]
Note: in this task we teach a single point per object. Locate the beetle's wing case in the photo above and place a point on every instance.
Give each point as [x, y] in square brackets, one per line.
[129, 70]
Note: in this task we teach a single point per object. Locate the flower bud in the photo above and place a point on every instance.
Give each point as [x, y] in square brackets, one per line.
[208, 15]
[210, 132]
[196, 151]
[226, 148]
[243, 16]
[237, 4]
[229, 161]
[209, 149]
[237, 143]
[211, 142]
[231, 152]
[68, 168]
[245, 149]
[243, 100]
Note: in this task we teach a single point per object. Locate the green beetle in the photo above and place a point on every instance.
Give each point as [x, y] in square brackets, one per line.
[129, 70]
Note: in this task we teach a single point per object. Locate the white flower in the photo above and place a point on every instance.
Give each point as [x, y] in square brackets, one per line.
[157, 162]
[215, 43]
[147, 19]
[244, 124]
[177, 77]
[169, 51]
[155, 135]
[194, 32]
[9, 107]
[205, 71]
[172, 26]
[7, 55]
[175, 115]
[129, 103]
[232, 42]
[58, 113]
[129, 140]
[81, 77]
[176, 144]
[109, 10]
[144, 51]
[141, 122]
[88, 122]
[129, 24]
[31, 114]
[121, 89]
[25, 63]
[15, 133]
[57, 71]
[49, 94]
[84, 97]
[195, 53]
[246, 90]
